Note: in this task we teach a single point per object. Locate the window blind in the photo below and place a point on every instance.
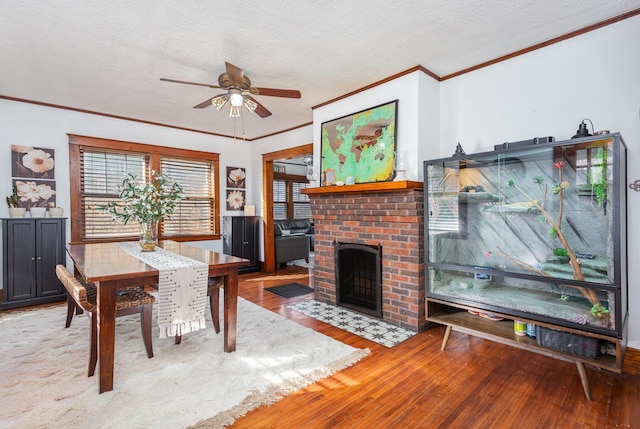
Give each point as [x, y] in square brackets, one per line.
[443, 208]
[101, 173]
[280, 189]
[194, 214]
[301, 203]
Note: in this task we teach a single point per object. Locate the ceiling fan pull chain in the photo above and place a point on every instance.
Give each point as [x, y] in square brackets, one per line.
[234, 130]
[242, 121]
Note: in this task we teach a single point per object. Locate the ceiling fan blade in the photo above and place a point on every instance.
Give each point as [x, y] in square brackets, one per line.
[208, 102]
[260, 110]
[272, 92]
[189, 83]
[204, 104]
[235, 74]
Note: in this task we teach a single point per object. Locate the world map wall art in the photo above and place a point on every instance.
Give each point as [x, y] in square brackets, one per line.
[361, 147]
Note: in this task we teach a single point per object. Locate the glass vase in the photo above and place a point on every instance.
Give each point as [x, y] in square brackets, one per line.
[148, 236]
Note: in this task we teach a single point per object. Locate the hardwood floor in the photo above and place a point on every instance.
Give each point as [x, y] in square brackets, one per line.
[473, 384]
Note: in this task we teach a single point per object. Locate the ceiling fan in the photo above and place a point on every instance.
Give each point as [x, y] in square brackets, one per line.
[237, 84]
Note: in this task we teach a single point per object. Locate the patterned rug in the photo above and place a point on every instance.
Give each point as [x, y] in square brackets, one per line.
[366, 327]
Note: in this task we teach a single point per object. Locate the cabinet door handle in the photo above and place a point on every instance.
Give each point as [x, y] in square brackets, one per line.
[39, 257]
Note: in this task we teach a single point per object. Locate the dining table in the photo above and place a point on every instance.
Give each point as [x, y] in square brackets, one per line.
[111, 268]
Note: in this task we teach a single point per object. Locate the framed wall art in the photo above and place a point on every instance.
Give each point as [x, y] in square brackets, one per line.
[236, 184]
[360, 147]
[32, 162]
[33, 173]
[235, 199]
[36, 193]
[236, 177]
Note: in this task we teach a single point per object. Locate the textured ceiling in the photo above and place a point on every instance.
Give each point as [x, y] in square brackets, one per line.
[108, 56]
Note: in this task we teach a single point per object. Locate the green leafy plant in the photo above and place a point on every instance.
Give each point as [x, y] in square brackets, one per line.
[560, 251]
[599, 310]
[598, 176]
[145, 202]
[13, 200]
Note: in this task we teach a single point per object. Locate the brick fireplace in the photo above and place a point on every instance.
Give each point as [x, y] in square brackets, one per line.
[389, 214]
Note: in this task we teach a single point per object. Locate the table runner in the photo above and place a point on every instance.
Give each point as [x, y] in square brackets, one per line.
[182, 289]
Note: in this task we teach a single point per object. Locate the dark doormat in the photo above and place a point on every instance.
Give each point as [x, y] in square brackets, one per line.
[290, 290]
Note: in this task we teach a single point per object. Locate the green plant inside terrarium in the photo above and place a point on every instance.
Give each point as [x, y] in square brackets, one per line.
[598, 176]
[560, 251]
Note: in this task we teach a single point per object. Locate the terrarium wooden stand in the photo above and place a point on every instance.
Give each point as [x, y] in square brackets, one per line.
[456, 317]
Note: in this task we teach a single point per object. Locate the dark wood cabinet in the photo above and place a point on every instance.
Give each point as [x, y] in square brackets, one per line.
[31, 249]
[241, 238]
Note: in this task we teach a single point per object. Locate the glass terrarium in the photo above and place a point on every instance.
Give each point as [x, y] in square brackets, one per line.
[538, 232]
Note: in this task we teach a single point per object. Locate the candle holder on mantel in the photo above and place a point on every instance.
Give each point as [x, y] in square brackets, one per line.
[312, 176]
[401, 167]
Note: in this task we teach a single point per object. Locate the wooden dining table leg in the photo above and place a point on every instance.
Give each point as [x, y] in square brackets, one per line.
[230, 309]
[106, 313]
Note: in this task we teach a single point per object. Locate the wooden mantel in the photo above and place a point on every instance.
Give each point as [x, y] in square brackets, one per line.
[364, 187]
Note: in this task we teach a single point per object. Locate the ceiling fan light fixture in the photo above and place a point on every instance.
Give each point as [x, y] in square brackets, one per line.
[250, 105]
[235, 95]
[234, 111]
[219, 101]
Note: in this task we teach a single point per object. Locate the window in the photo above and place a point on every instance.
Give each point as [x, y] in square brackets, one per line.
[101, 165]
[280, 198]
[193, 214]
[288, 202]
[593, 172]
[101, 173]
[301, 204]
[443, 205]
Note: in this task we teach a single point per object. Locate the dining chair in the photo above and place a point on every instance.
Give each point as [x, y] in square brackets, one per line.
[81, 297]
[213, 292]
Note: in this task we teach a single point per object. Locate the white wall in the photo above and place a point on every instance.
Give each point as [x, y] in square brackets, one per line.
[33, 125]
[417, 126]
[547, 93]
[428, 124]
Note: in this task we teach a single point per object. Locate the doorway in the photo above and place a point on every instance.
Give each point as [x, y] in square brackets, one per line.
[268, 160]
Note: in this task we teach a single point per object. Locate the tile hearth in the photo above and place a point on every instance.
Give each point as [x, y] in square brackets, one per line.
[366, 327]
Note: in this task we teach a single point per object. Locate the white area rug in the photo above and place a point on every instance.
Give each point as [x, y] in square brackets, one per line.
[44, 382]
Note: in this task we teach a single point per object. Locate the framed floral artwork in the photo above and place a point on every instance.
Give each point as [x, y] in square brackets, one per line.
[235, 199]
[36, 193]
[32, 162]
[236, 177]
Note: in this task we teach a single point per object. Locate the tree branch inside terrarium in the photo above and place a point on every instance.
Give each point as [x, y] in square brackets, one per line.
[555, 230]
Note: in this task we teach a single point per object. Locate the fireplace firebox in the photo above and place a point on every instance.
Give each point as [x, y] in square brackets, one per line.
[359, 277]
